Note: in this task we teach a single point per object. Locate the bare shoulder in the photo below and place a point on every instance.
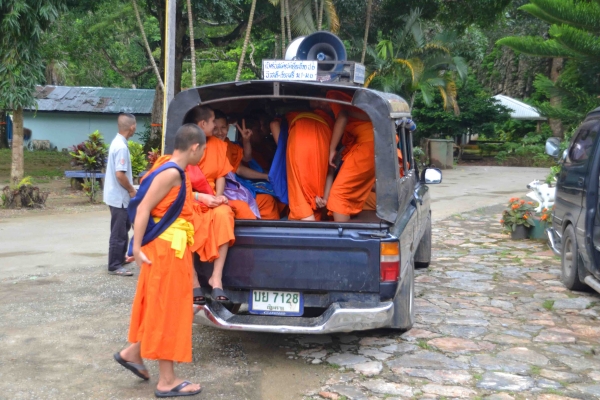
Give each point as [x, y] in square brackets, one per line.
[169, 176]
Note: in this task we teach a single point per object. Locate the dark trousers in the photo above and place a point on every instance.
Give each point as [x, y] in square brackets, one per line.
[119, 237]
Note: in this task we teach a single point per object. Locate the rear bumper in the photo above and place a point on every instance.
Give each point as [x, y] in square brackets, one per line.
[339, 317]
[553, 240]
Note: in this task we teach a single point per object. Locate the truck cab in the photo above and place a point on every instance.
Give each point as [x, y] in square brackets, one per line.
[575, 231]
[320, 277]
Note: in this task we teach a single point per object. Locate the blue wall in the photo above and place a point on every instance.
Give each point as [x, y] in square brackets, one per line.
[64, 130]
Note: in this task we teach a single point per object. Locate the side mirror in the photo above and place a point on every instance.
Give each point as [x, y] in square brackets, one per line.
[431, 176]
[553, 147]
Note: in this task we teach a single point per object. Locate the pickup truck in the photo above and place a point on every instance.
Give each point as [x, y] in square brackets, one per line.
[322, 277]
[575, 231]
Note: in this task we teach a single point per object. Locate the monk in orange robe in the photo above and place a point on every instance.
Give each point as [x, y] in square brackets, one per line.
[214, 165]
[356, 177]
[161, 318]
[267, 205]
[307, 163]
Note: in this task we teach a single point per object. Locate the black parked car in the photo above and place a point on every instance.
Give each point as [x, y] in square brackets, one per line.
[575, 231]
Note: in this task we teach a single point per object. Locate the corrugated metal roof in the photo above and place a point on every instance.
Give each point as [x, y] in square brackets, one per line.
[94, 99]
[519, 109]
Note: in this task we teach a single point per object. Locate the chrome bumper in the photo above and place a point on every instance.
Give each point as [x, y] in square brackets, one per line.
[339, 317]
[553, 241]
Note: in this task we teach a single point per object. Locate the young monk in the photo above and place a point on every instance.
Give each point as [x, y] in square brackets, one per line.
[236, 154]
[307, 160]
[161, 319]
[213, 166]
[356, 177]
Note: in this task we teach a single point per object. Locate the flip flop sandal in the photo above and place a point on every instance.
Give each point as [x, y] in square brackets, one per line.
[199, 299]
[121, 272]
[176, 391]
[137, 369]
[218, 292]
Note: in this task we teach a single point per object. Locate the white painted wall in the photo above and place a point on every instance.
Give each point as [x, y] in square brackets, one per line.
[64, 130]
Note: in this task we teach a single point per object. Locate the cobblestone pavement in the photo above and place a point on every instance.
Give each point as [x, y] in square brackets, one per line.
[493, 322]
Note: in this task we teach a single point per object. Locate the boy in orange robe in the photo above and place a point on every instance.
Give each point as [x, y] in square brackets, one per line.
[307, 166]
[161, 319]
[356, 177]
[267, 205]
[214, 165]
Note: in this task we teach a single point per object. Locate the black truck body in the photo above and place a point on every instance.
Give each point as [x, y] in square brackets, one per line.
[341, 270]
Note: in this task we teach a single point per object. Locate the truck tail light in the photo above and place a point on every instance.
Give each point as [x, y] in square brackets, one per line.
[389, 262]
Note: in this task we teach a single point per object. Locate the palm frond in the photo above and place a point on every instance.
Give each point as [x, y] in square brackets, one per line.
[370, 78]
[332, 16]
[408, 64]
[461, 67]
[536, 46]
[302, 18]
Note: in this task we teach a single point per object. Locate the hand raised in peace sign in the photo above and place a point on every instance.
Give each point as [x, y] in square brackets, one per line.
[245, 132]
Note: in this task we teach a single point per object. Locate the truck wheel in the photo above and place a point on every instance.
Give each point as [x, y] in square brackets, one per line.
[423, 253]
[404, 310]
[570, 261]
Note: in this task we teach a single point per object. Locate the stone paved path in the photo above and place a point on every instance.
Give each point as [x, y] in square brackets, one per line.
[493, 322]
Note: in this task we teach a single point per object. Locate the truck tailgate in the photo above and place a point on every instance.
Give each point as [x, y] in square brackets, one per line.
[303, 258]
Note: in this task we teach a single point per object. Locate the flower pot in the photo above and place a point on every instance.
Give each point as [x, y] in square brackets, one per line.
[520, 232]
[538, 230]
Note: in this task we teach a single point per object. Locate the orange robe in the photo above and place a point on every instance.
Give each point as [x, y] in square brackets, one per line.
[267, 205]
[356, 177]
[161, 318]
[371, 202]
[307, 161]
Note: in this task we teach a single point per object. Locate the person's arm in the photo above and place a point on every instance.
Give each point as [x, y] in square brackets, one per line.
[275, 130]
[208, 200]
[124, 181]
[157, 191]
[322, 201]
[338, 131]
[249, 173]
[219, 190]
[247, 146]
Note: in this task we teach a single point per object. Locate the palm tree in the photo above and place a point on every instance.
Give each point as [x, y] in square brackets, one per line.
[305, 22]
[147, 46]
[246, 41]
[367, 23]
[408, 64]
[574, 35]
[192, 46]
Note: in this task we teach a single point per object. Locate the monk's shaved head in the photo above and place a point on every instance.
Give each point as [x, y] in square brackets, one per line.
[125, 121]
[200, 113]
[189, 135]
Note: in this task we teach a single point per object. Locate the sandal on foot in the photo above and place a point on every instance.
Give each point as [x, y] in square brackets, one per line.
[121, 272]
[219, 296]
[176, 391]
[199, 299]
[137, 369]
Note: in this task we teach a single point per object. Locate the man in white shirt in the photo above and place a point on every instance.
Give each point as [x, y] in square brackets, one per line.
[118, 190]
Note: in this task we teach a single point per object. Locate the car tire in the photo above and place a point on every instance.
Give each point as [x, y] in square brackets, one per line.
[404, 302]
[423, 253]
[570, 261]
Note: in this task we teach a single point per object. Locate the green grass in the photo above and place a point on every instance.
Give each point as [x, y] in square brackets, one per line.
[478, 377]
[38, 164]
[535, 370]
[548, 304]
[424, 345]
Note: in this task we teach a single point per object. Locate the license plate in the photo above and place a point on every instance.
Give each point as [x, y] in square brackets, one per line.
[270, 302]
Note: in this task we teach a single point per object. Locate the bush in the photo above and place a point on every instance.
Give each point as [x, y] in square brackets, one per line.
[91, 157]
[23, 194]
[139, 163]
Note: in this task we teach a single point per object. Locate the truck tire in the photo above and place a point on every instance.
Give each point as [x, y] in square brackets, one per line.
[570, 261]
[404, 302]
[423, 253]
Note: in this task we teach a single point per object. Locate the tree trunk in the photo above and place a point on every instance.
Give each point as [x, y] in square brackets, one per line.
[3, 130]
[146, 45]
[16, 171]
[156, 118]
[287, 20]
[180, 29]
[366, 38]
[320, 17]
[246, 41]
[555, 124]
[192, 49]
[282, 8]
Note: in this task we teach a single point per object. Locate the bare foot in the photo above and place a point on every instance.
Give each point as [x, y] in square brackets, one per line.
[167, 386]
[215, 283]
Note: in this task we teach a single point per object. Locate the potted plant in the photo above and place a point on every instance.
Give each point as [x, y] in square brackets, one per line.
[540, 223]
[91, 156]
[518, 218]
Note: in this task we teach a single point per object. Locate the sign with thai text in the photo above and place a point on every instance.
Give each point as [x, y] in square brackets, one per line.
[288, 70]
